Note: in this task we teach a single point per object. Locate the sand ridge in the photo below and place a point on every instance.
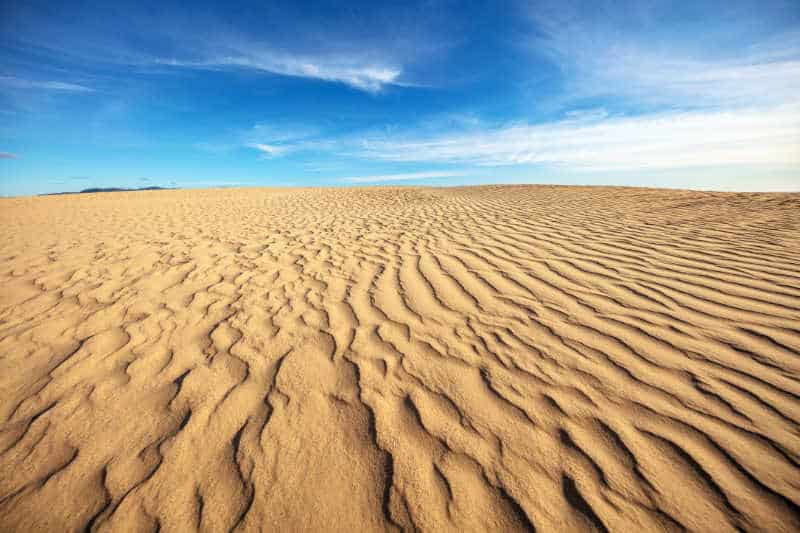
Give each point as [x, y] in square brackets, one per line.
[484, 358]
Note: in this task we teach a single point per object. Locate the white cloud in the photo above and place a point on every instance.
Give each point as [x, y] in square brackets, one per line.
[269, 139]
[759, 135]
[624, 49]
[19, 83]
[650, 78]
[279, 133]
[7, 155]
[352, 71]
[269, 150]
[272, 141]
[400, 177]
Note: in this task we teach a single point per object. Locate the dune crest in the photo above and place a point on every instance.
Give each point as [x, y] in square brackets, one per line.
[488, 358]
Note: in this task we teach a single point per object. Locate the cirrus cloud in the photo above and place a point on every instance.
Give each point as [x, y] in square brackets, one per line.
[19, 83]
[409, 176]
[269, 150]
[593, 141]
[349, 71]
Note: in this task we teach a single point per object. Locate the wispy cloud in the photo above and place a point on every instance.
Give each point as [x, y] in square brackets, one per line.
[367, 47]
[747, 80]
[353, 71]
[274, 141]
[19, 83]
[400, 177]
[269, 150]
[596, 142]
[626, 50]
[682, 106]
[274, 133]
[8, 155]
[270, 139]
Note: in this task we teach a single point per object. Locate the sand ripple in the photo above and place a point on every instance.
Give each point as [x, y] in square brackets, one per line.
[492, 358]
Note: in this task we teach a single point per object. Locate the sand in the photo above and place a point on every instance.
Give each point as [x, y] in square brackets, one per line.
[491, 358]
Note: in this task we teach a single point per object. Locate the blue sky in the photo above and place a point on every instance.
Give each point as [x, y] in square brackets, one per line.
[670, 94]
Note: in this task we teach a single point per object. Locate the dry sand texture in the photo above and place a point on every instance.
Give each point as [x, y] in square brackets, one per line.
[490, 358]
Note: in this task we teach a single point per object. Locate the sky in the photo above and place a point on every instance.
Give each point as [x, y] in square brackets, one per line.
[693, 94]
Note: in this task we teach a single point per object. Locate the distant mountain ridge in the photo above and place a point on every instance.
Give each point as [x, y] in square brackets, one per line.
[108, 189]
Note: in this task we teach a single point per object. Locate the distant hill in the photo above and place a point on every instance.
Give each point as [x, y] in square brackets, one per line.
[107, 189]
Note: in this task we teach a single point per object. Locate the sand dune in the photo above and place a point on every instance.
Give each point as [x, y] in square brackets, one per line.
[489, 358]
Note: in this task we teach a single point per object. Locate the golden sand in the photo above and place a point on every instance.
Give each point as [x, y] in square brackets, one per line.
[487, 358]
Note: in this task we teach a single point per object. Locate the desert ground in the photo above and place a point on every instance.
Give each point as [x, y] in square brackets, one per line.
[495, 358]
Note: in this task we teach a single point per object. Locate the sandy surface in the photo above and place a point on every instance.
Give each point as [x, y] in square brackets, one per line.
[493, 358]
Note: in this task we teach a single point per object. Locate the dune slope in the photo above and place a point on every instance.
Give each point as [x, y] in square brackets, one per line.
[490, 358]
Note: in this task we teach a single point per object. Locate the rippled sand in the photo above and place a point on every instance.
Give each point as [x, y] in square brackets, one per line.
[488, 358]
